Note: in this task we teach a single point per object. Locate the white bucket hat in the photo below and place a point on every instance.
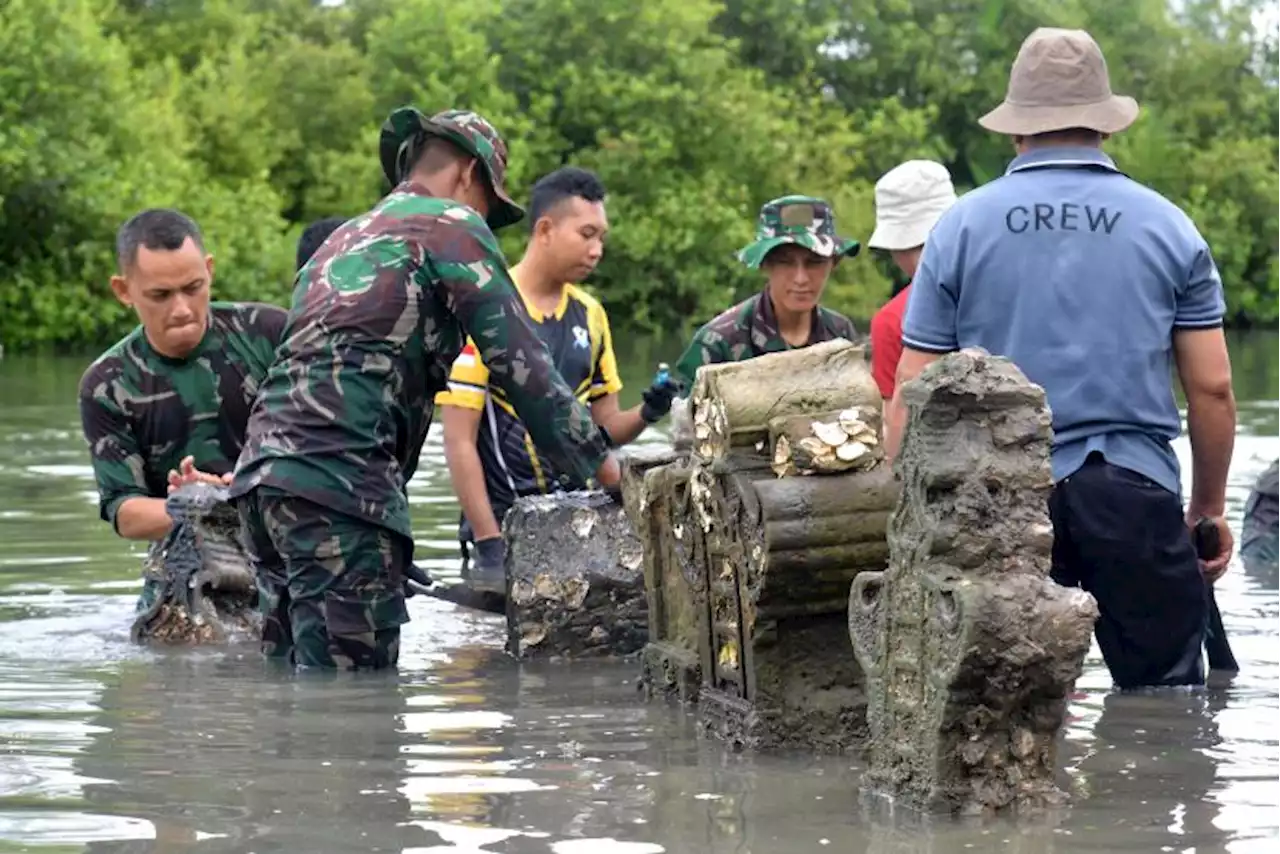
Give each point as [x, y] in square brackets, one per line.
[909, 199]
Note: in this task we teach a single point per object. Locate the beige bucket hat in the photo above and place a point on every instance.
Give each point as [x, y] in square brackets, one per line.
[910, 198]
[1059, 80]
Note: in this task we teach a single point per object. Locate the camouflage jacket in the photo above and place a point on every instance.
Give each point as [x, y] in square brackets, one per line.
[379, 314]
[749, 329]
[143, 412]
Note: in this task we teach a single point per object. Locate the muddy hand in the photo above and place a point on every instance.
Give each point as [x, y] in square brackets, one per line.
[186, 473]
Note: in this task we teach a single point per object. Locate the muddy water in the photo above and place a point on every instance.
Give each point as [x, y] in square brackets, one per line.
[108, 748]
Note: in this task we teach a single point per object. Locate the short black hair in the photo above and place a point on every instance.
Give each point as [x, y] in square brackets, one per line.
[314, 236]
[567, 182]
[155, 228]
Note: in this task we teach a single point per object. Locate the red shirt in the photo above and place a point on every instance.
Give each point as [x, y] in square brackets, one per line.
[886, 341]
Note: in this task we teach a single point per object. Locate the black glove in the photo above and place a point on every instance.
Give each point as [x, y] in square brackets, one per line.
[657, 400]
[488, 569]
[416, 574]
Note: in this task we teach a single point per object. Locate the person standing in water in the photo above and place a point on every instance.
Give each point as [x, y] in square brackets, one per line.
[797, 247]
[379, 315]
[173, 396]
[492, 459]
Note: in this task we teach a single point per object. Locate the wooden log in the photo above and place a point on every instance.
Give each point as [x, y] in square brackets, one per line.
[825, 442]
[575, 582]
[732, 403]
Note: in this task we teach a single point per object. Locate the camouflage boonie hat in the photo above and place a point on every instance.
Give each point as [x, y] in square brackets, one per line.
[803, 220]
[406, 129]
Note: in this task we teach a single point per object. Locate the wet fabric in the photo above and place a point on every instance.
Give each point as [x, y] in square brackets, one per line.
[379, 315]
[1123, 538]
[142, 412]
[331, 587]
[750, 329]
[578, 336]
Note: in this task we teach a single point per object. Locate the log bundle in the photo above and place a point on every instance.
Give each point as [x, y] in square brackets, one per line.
[750, 550]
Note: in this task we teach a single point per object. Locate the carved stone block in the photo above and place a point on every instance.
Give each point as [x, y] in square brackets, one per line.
[970, 649]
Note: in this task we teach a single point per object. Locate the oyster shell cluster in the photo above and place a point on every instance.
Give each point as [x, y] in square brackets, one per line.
[834, 446]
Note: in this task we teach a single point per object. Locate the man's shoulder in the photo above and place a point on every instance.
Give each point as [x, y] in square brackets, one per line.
[110, 364]
[581, 295]
[248, 316]
[734, 320]
[837, 323]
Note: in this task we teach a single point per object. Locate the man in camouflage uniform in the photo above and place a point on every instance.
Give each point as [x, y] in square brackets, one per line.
[175, 393]
[797, 247]
[379, 315]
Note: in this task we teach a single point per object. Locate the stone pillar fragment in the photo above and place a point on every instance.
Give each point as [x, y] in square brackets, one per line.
[969, 648]
[575, 580]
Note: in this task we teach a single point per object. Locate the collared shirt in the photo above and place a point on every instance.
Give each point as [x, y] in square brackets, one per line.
[142, 412]
[750, 329]
[1081, 276]
[578, 336]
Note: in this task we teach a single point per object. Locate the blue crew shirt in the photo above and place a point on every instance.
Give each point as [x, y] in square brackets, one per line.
[1081, 276]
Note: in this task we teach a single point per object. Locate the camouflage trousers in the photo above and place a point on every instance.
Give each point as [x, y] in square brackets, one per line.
[330, 586]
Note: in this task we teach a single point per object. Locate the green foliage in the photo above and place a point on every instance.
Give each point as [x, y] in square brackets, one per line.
[259, 116]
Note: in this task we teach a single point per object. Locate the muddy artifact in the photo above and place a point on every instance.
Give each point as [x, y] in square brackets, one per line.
[207, 589]
[748, 565]
[575, 582]
[777, 670]
[731, 404]
[970, 649]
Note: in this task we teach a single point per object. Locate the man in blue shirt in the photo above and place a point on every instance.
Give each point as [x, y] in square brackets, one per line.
[1095, 286]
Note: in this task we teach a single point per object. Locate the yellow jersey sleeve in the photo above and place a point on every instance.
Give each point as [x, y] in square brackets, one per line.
[604, 375]
[468, 380]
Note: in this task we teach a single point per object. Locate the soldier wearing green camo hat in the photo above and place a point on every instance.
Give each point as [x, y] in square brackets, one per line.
[379, 314]
[797, 247]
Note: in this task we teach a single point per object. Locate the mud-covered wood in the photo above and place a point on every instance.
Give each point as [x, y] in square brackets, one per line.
[675, 583]
[971, 651]
[731, 404]
[826, 442]
[575, 581]
[778, 670]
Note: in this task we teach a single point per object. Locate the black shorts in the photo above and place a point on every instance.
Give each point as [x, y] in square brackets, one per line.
[1123, 538]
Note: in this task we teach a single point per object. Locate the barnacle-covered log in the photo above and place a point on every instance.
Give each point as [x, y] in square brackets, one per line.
[575, 582]
[731, 404]
[826, 442]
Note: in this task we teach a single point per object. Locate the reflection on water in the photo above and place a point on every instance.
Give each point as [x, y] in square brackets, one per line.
[105, 747]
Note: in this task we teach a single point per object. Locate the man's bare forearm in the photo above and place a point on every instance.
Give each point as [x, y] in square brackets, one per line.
[625, 426]
[467, 474]
[1211, 426]
[143, 519]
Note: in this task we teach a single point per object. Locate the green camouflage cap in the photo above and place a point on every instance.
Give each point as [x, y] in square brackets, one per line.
[803, 220]
[406, 129]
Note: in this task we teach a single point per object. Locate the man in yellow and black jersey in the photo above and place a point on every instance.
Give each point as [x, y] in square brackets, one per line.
[491, 459]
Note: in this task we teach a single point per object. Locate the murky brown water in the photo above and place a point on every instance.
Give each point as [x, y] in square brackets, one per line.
[105, 747]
